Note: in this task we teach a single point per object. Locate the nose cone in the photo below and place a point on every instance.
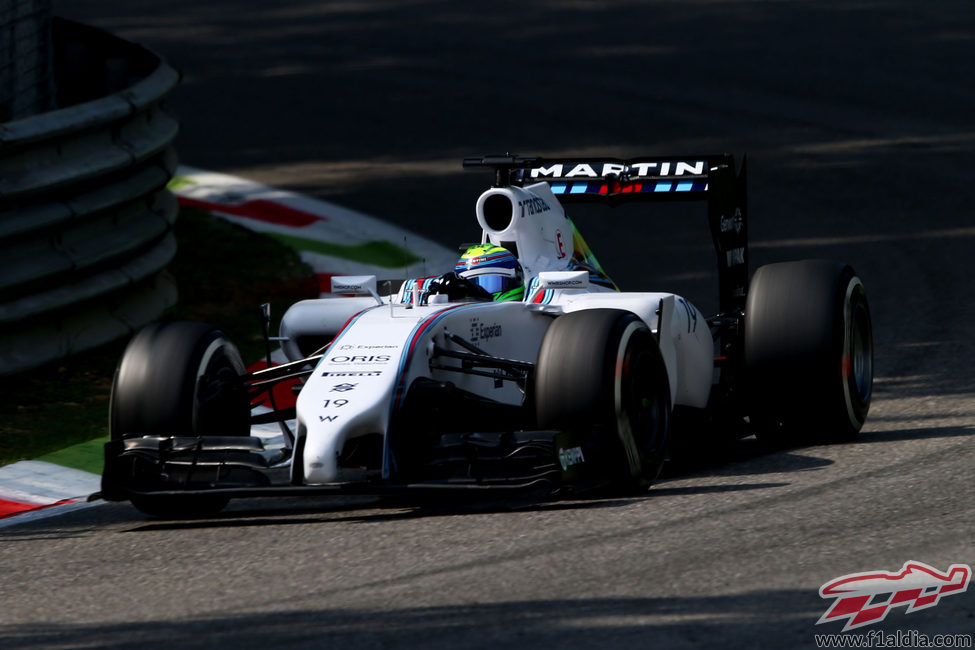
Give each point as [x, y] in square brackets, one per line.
[321, 457]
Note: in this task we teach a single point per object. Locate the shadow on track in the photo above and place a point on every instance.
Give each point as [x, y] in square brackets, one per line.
[755, 619]
[874, 437]
[743, 457]
[387, 510]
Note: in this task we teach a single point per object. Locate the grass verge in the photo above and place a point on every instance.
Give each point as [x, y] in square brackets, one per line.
[223, 271]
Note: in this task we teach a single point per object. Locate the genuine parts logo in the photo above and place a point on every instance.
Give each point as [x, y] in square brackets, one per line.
[866, 598]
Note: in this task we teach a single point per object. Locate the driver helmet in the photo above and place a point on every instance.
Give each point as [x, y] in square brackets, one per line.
[494, 269]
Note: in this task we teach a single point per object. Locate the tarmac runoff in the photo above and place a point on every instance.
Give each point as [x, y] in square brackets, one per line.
[331, 239]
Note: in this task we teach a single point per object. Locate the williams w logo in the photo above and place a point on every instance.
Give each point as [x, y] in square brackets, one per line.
[866, 598]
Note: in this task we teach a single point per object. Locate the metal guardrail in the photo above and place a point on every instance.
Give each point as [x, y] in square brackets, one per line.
[85, 217]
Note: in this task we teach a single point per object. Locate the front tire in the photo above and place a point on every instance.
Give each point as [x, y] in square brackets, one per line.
[600, 375]
[182, 379]
[808, 352]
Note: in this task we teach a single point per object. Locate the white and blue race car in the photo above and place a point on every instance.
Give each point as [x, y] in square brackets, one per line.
[523, 367]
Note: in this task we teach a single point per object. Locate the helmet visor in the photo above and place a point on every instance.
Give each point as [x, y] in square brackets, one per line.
[494, 283]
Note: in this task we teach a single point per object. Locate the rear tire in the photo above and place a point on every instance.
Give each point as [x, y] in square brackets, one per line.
[600, 375]
[808, 352]
[181, 379]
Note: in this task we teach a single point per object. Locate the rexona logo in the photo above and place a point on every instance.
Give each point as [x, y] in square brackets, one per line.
[867, 598]
[632, 170]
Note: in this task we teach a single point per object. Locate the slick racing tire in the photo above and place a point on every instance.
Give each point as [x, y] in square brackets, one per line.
[183, 379]
[600, 377]
[808, 352]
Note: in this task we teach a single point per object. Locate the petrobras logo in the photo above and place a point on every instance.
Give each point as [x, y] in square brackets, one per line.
[867, 598]
[631, 170]
[533, 206]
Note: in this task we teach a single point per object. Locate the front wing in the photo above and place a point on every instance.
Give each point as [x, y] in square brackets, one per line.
[239, 467]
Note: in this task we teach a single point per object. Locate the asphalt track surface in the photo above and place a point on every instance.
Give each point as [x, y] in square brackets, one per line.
[859, 122]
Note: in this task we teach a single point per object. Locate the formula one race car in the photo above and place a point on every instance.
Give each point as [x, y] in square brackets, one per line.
[523, 367]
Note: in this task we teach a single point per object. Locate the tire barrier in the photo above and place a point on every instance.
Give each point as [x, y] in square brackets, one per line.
[85, 216]
[26, 59]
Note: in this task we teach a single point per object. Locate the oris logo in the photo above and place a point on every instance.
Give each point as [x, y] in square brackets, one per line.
[361, 358]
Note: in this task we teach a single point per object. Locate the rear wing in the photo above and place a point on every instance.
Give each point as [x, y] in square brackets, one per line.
[710, 178]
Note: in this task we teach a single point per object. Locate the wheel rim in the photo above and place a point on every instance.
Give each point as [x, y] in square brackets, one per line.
[217, 377]
[623, 398]
[857, 354]
[644, 408]
[861, 355]
[639, 406]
